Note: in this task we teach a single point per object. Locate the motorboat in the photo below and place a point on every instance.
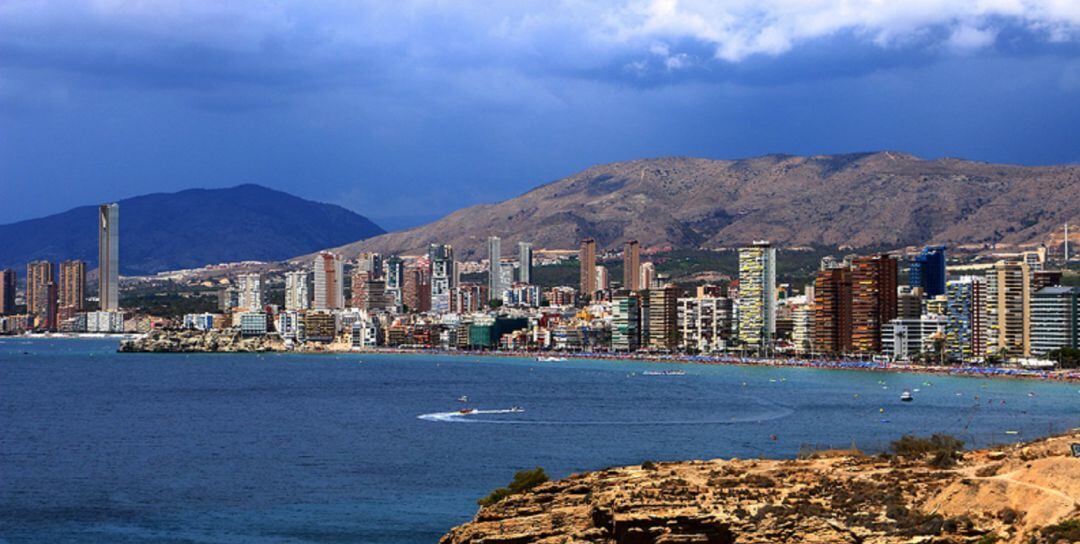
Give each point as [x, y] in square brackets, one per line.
[664, 373]
[463, 398]
[516, 409]
[906, 396]
[467, 411]
[551, 359]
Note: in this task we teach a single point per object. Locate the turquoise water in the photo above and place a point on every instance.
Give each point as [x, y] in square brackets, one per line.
[104, 447]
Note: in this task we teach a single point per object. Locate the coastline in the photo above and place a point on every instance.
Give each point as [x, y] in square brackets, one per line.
[190, 342]
[792, 362]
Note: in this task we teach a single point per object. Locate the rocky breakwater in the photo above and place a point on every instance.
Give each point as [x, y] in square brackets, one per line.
[1018, 494]
[201, 342]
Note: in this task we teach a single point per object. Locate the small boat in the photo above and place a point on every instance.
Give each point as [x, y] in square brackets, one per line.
[906, 396]
[551, 359]
[463, 398]
[664, 373]
[516, 409]
[466, 411]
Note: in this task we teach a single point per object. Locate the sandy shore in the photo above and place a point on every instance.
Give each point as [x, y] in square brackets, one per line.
[793, 362]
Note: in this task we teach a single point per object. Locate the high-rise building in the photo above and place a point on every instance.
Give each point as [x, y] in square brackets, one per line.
[525, 262]
[1008, 309]
[964, 313]
[927, 271]
[832, 311]
[249, 287]
[521, 295]
[416, 286]
[470, 297]
[757, 294]
[297, 290]
[802, 326]
[909, 302]
[873, 300]
[495, 285]
[1055, 319]
[647, 276]
[587, 260]
[394, 273]
[664, 318]
[376, 295]
[442, 276]
[632, 266]
[359, 292]
[368, 292]
[329, 282]
[7, 291]
[603, 282]
[72, 289]
[626, 322]
[372, 263]
[39, 299]
[109, 257]
[705, 323]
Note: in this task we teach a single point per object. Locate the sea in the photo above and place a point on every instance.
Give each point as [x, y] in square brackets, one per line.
[97, 446]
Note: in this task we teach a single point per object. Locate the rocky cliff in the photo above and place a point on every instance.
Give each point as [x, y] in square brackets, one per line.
[1025, 493]
[201, 342]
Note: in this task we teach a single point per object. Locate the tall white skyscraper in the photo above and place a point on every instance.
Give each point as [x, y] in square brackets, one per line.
[757, 294]
[297, 295]
[250, 287]
[495, 286]
[109, 257]
[329, 286]
[525, 259]
[602, 283]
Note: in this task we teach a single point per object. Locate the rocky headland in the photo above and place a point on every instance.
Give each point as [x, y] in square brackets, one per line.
[201, 342]
[1025, 493]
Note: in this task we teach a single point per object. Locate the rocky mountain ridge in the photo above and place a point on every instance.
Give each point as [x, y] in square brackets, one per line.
[882, 199]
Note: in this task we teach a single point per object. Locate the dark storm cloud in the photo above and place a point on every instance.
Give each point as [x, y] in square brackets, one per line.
[418, 107]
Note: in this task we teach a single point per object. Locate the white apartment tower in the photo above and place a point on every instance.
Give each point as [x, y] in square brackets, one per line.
[297, 293]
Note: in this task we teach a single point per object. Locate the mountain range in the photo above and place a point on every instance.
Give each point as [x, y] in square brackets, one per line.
[188, 229]
[880, 199]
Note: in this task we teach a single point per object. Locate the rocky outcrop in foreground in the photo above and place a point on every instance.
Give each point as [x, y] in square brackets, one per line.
[1018, 494]
[201, 342]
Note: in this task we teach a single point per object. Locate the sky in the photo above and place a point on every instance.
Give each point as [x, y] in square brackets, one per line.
[405, 110]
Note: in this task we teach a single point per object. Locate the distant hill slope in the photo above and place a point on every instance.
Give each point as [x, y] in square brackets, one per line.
[868, 199]
[192, 228]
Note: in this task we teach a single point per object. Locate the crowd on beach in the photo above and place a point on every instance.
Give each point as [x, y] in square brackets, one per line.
[776, 361]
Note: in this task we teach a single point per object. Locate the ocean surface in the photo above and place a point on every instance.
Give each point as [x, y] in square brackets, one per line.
[103, 447]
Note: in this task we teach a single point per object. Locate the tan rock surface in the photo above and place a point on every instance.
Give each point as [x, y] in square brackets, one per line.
[834, 499]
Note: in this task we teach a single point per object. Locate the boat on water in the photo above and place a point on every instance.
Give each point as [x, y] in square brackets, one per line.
[516, 409]
[463, 398]
[550, 359]
[664, 373]
[906, 396]
[466, 411]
